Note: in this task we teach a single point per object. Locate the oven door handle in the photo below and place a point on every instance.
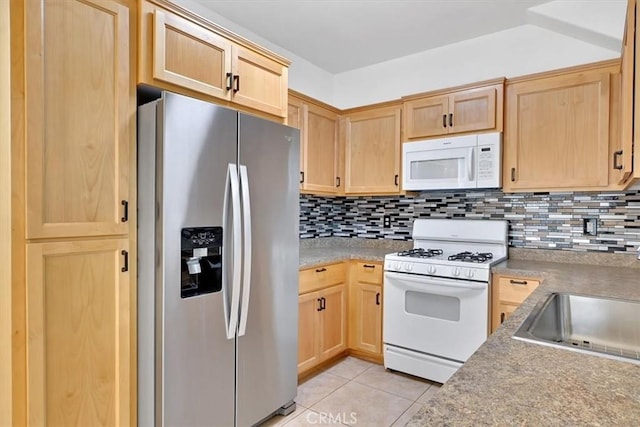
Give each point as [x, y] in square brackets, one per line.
[427, 283]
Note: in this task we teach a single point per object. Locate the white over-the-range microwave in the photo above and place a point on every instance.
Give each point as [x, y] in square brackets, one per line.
[468, 161]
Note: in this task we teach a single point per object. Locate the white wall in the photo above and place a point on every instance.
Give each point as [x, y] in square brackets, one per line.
[518, 51]
[303, 75]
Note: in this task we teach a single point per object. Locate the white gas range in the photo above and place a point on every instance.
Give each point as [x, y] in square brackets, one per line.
[436, 305]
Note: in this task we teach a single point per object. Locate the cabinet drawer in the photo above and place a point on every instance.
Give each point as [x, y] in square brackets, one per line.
[320, 277]
[368, 272]
[515, 290]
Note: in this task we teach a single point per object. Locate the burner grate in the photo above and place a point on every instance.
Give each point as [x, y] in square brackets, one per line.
[466, 256]
[421, 253]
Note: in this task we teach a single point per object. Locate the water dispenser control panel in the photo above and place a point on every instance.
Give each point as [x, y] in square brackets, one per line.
[201, 263]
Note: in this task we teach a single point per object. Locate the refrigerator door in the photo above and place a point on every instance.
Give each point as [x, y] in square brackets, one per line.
[268, 349]
[195, 363]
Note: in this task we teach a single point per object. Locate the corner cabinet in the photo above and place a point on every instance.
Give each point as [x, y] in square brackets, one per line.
[372, 151]
[365, 310]
[74, 292]
[562, 130]
[185, 53]
[471, 108]
[319, 145]
[322, 319]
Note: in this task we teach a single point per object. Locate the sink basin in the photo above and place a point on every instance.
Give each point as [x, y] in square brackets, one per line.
[606, 327]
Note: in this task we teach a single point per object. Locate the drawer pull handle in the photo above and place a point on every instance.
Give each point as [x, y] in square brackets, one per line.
[444, 120]
[518, 282]
[378, 298]
[451, 119]
[369, 266]
[501, 318]
[320, 270]
[323, 303]
[319, 304]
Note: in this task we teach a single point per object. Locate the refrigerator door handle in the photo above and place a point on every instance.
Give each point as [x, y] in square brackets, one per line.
[232, 302]
[246, 270]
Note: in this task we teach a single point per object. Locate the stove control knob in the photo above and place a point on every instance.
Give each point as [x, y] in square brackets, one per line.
[456, 271]
[470, 274]
[431, 269]
[408, 266]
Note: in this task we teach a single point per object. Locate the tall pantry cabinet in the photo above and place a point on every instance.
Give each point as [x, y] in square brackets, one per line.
[73, 140]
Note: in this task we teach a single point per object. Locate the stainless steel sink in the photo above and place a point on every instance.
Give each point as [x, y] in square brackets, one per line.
[606, 327]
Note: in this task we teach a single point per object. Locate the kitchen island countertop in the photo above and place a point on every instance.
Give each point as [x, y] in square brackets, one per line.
[510, 382]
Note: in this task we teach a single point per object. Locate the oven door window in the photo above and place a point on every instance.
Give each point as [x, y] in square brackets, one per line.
[432, 305]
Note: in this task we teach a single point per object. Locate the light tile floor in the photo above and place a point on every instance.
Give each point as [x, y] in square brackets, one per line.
[355, 392]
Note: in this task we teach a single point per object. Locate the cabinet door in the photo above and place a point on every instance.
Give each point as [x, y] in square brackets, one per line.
[188, 55]
[295, 118]
[367, 316]
[308, 330]
[320, 162]
[79, 320]
[426, 117]
[505, 311]
[259, 82]
[557, 133]
[333, 322]
[472, 110]
[372, 155]
[80, 109]
[623, 157]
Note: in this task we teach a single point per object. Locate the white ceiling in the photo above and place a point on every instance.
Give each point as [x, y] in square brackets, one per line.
[342, 35]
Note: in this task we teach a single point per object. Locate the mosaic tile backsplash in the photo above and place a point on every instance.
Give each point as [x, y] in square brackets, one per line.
[536, 220]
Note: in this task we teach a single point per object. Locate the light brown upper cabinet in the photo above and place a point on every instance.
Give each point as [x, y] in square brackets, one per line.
[185, 53]
[471, 108]
[624, 167]
[80, 112]
[319, 149]
[372, 151]
[557, 134]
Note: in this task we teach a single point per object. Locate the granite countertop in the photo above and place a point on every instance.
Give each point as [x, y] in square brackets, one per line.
[510, 382]
[335, 249]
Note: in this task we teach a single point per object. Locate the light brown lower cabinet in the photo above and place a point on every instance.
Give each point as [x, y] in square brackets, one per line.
[322, 318]
[508, 292]
[325, 315]
[365, 309]
[79, 333]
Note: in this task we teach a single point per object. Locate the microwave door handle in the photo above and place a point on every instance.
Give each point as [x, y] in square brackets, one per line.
[470, 164]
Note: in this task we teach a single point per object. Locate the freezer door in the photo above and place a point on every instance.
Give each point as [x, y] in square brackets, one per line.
[195, 360]
[268, 350]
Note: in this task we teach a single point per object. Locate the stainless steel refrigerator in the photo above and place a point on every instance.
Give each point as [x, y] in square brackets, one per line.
[218, 265]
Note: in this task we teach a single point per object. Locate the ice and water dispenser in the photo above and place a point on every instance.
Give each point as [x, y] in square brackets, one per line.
[201, 251]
